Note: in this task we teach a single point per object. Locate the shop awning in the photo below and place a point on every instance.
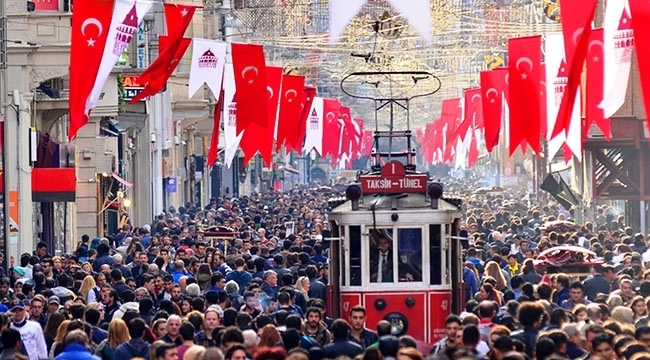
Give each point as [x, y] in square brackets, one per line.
[122, 181]
[54, 184]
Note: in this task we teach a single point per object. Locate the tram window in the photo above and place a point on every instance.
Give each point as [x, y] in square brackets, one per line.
[436, 254]
[355, 255]
[409, 249]
[381, 255]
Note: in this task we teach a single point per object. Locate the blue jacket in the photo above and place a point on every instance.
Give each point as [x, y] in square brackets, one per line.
[76, 352]
[471, 284]
[242, 278]
[133, 348]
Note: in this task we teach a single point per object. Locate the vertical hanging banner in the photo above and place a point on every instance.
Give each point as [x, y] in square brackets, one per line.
[289, 114]
[231, 137]
[595, 86]
[309, 94]
[618, 42]
[208, 60]
[127, 15]
[525, 56]
[493, 86]
[641, 13]
[331, 127]
[249, 67]
[88, 35]
[314, 132]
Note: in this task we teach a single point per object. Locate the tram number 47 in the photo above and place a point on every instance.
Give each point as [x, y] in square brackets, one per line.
[444, 305]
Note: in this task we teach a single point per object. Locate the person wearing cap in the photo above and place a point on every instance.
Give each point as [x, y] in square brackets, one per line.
[31, 332]
[53, 305]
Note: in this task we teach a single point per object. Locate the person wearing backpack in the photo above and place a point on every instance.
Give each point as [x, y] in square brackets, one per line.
[136, 347]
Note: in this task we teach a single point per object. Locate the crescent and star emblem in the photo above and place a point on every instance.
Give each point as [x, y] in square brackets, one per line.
[476, 96]
[507, 78]
[270, 91]
[330, 116]
[248, 69]
[576, 36]
[524, 60]
[490, 91]
[596, 54]
[91, 21]
[290, 91]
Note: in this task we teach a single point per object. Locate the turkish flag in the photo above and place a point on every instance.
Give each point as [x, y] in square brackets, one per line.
[347, 132]
[249, 67]
[290, 110]
[595, 85]
[258, 137]
[308, 95]
[641, 15]
[358, 137]
[156, 80]
[474, 107]
[472, 153]
[90, 23]
[576, 28]
[450, 116]
[331, 127]
[366, 142]
[172, 47]
[525, 57]
[214, 141]
[493, 87]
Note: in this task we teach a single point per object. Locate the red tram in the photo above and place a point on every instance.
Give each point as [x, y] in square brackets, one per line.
[395, 250]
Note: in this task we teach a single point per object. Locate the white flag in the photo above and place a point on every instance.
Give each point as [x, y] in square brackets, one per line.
[556, 81]
[208, 59]
[230, 116]
[314, 135]
[618, 42]
[416, 12]
[127, 15]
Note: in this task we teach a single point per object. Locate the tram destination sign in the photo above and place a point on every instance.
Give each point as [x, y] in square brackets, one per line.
[393, 179]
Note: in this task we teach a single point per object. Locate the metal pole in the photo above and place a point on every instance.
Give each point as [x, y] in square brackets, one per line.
[3, 105]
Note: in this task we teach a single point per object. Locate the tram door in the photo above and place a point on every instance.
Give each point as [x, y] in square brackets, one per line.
[456, 267]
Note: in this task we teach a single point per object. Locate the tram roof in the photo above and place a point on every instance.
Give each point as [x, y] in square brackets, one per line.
[390, 202]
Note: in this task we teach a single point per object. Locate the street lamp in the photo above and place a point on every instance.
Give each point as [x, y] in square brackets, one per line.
[126, 202]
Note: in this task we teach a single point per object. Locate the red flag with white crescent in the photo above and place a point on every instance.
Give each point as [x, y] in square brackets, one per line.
[331, 127]
[289, 115]
[259, 138]
[171, 50]
[368, 139]
[474, 107]
[493, 87]
[525, 56]
[90, 23]
[595, 86]
[450, 117]
[249, 67]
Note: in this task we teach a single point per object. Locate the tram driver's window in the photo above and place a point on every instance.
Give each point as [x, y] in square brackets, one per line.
[381, 256]
[436, 254]
[409, 254]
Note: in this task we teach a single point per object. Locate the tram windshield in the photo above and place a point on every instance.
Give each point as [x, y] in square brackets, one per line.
[401, 253]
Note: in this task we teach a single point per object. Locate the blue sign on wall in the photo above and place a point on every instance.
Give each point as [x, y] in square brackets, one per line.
[171, 185]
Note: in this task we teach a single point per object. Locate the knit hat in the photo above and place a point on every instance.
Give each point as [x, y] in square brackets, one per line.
[19, 270]
[232, 288]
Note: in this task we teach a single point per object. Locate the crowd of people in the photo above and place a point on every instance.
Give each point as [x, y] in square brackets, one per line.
[168, 290]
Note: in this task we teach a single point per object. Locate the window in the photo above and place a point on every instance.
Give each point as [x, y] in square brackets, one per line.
[381, 255]
[409, 254]
[435, 237]
[355, 255]
[344, 264]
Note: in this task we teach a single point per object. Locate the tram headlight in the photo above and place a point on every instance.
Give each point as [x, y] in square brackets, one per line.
[434, 191]
[353, 193]
[399, 325]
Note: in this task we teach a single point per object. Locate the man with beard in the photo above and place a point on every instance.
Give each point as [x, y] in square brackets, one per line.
[315, 328]
[251, 304]
[37, 310]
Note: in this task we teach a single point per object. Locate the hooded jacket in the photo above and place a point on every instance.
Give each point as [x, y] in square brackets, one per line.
[133, 348]
[133, 306]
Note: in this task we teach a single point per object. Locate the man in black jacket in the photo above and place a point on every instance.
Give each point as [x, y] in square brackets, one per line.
[359, 333]
[341, 346]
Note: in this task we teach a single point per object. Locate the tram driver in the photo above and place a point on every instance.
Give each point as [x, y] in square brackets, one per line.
[381, 260]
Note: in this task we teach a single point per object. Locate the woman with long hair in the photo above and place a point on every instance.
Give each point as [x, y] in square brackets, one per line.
[487, 292]
[269, 336]
[493, 270]
[118, 333]
[61, 331]
[87, 289]
[529, 274]
[51, 328]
